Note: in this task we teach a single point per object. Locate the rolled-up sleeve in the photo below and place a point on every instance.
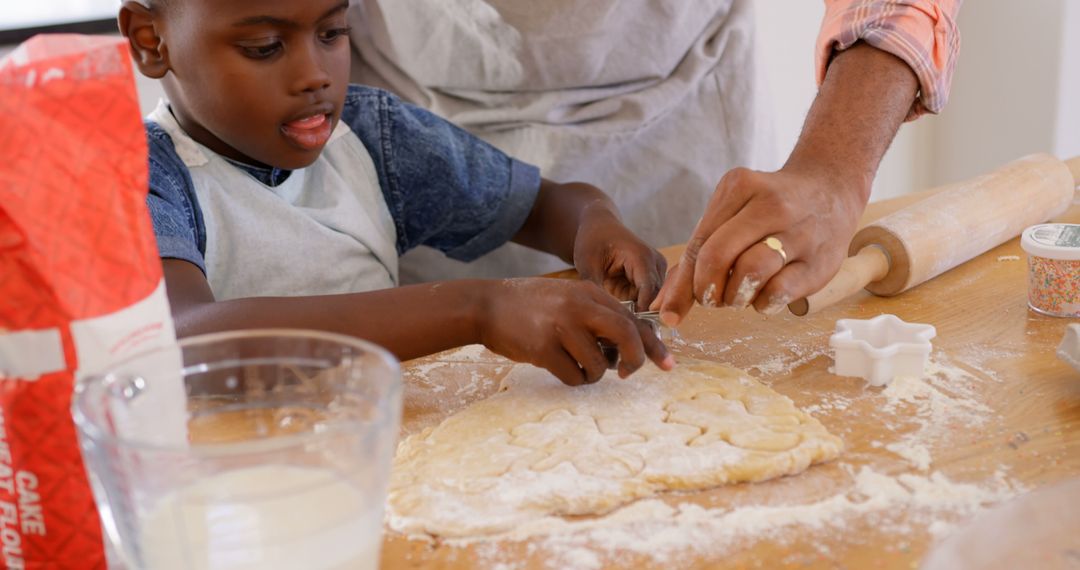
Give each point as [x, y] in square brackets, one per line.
[445, 188]
[174, 209]
[922, 33]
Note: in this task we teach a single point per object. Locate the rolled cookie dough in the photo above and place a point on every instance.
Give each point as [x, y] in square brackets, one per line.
[539, 448]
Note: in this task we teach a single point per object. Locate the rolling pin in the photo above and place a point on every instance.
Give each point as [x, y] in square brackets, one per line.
[954, 224]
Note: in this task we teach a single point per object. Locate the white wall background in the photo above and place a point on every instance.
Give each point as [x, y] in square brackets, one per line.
[16, 14]
[1009, 97]
[1067, 128]
[787, 34]
[1016, 89]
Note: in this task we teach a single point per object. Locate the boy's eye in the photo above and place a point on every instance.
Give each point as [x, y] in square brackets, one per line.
[333, 34]
[260, 51]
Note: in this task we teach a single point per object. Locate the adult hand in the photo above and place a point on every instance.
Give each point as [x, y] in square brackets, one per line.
[558, 324]
[812, 205]
[609, 254]
[812, 212]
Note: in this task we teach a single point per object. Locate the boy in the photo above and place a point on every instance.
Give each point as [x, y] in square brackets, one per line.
[281, 197]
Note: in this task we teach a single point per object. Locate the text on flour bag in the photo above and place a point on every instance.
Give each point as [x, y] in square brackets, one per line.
[80, 280]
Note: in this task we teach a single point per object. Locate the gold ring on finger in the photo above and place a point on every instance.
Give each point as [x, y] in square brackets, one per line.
[774, 243]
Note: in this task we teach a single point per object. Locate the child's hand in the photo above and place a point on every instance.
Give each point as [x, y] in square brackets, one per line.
[558, 324]
[608, 253]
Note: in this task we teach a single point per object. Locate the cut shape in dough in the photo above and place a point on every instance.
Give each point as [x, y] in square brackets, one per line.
[539, 448]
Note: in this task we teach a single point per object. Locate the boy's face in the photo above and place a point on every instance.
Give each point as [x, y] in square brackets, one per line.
[261, 81]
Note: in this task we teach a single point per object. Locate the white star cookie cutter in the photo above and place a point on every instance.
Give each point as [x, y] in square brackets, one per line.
[881, 348]
[1069, 349]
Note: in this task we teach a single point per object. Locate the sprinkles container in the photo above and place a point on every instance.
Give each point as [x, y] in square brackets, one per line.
[1053, 268]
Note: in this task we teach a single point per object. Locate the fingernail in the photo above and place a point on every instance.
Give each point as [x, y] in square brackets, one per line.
[669, 318]
[709, 299]
[777, 303]
[668, 363]
[746, 292]
[610, 353]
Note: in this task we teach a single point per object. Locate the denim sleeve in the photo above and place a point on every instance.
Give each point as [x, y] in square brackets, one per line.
[174, 209]
[445, 188]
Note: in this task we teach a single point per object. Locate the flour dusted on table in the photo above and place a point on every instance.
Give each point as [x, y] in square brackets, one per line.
[936, 403]
[540, 448]
[665, 533]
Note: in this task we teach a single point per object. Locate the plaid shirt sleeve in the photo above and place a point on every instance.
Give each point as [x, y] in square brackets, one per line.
[923, 33]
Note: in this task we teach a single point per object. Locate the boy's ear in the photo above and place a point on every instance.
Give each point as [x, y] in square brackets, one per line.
[138, 24]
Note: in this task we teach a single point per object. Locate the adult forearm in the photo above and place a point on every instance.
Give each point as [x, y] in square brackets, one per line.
[410, 321]
[857, 112]
[559, 212]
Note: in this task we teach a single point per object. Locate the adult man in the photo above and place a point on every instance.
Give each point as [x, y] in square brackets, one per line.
[655, 101]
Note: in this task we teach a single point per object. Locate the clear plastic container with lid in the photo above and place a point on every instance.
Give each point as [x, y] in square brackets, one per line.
[1053, 268]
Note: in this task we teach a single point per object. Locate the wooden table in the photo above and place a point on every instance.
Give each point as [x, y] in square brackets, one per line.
[984, 327]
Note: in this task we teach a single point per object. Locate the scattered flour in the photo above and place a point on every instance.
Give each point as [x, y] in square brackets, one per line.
[745, 294]
[1008, 258]
[477, 382]
[422, 369]
[777, 304]
[709, 299]
[943, 401]
[463, 359]
[469, 353]
[979, 356]
[661, 532]
[785, 363]
[421, 373]
[917, 455]
[791, 355]
[701, 346]
[829, 404]
[942, 398]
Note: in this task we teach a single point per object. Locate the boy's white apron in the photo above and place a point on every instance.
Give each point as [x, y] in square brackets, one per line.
[651, 100]
[325, 230]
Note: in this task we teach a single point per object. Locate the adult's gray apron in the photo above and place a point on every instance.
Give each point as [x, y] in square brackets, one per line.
[650, 100]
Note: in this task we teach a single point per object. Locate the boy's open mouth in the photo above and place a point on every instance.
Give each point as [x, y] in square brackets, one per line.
[309, 133]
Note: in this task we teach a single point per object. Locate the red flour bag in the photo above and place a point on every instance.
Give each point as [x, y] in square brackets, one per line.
[80, 279]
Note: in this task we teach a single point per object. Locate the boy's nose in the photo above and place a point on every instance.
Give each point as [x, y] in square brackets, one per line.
[310, 71]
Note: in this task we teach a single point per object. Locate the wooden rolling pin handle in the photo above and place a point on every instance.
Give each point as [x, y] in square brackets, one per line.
[869, 265]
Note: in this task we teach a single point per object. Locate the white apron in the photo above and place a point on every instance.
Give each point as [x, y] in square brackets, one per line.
[325, 230]
[650, 100]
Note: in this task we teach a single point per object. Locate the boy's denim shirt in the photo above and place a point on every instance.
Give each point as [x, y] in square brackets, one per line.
[444, 187]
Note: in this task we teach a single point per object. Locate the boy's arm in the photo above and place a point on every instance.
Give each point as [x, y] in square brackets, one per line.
[409, 321]
[551, 323]
[581, 225]
[559, 210]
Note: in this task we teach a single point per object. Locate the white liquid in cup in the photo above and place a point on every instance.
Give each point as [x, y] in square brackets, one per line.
[264, 518]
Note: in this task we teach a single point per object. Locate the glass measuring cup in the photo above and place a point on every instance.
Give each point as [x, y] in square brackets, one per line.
[255, 449]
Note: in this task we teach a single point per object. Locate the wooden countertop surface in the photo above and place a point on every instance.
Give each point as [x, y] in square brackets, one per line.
[1031, 430]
